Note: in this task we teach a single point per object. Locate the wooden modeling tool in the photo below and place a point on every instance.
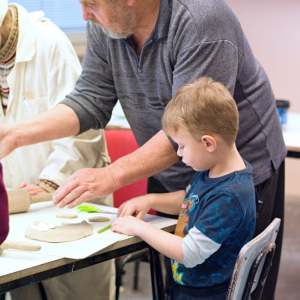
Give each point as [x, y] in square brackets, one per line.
[19, 200]
[25, 246]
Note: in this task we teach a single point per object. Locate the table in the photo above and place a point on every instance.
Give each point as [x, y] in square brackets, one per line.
[42, 267]
[291, 134]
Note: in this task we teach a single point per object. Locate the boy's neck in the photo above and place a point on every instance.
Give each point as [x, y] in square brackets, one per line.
[228, 160]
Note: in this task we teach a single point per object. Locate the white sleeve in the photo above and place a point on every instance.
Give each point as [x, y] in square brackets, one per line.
[197, 247]
[72, 153]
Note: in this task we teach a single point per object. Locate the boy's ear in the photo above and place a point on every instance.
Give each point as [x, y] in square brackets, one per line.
[209, 142]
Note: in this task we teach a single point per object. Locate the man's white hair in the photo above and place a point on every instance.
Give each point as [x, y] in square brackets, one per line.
[3, 10]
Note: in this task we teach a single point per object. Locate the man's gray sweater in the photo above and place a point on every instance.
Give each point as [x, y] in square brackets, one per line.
[190, 39]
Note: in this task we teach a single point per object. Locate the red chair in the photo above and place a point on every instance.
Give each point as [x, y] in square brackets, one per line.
[121, 142]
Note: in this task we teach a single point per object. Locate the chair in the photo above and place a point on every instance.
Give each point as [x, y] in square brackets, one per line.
[253, 264]
[121, 142]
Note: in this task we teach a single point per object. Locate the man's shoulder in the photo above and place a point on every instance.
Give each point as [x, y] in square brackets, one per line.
[205, 20]
[201, 11]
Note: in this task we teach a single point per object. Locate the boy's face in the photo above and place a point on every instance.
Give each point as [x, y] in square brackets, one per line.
[193, 153]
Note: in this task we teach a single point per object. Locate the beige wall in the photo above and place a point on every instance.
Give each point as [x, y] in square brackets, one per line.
[273, 30]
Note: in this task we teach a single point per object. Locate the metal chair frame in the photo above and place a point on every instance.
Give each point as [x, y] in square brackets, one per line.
[253, 264]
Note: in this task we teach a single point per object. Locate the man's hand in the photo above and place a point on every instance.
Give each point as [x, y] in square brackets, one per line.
[7, 141]
[138, 207]
[84, 185]
[32, 189]
[153, 157]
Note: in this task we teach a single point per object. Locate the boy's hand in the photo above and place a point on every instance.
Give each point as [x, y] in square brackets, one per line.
[127, 225]
[138, 207]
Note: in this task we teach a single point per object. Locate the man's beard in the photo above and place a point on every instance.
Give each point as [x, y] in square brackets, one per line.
[120, 18]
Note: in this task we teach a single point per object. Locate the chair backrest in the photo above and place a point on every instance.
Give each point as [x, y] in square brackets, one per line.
[121, 142]
[250, 262]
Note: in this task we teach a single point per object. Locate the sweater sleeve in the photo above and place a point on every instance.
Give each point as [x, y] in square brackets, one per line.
[4, 220]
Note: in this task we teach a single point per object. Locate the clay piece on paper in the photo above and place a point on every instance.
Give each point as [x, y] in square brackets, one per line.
[66, 216]
[67, 232]
[98, 219]
[41, 226]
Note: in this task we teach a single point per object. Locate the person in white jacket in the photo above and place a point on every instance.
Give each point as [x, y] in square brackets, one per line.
[38, 67]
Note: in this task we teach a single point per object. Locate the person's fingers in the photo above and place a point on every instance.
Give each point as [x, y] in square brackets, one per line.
[120, 209]
[34, 189]
[140, 215]
[67, 194]
[22, 185]
[129, 210]
[114, 227]
[75, 196]
[85, 196]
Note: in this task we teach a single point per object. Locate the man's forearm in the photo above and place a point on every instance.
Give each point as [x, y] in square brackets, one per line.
[153, 157]
[58, 122]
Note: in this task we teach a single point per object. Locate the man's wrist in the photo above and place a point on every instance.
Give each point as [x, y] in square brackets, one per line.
[116, 175]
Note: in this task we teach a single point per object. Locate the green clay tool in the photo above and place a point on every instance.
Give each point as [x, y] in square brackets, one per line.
[92, 209]
[104, 228]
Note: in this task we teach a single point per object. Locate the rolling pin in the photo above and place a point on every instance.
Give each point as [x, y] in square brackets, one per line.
[19, 200]
[25, 246]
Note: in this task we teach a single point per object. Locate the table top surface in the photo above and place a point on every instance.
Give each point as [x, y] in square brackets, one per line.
[18, 264]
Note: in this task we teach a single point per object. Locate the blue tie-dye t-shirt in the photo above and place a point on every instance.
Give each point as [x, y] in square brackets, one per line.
[220, 212]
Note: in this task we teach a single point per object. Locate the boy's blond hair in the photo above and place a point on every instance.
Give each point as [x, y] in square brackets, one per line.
[202, 107]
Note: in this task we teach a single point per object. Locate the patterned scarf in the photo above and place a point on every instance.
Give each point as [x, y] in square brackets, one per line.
[8, 56]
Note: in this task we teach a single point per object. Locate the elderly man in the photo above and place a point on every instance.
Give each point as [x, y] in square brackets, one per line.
[38, 67]
[141, 52]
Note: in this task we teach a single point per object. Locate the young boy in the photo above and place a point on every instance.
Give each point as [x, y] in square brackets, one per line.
[217, 210]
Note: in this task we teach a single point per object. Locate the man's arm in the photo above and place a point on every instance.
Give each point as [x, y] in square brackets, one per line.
[58, 122]
[153, 157]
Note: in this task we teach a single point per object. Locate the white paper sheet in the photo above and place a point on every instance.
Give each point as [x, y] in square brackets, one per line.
[77, 249]
[12, 261]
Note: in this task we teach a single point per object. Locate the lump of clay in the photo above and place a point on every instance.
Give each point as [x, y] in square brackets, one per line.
[66, 216]
[98, 219]
[65, 233]
[41, 226]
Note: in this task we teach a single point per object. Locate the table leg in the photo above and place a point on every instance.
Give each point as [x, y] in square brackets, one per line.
[156, 275]
[2, 296]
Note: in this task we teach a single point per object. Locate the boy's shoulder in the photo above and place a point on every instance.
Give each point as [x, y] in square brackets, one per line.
[237, 185]
[237, 177]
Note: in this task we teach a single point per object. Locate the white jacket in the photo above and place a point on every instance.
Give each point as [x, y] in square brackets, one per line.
[45, 71]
